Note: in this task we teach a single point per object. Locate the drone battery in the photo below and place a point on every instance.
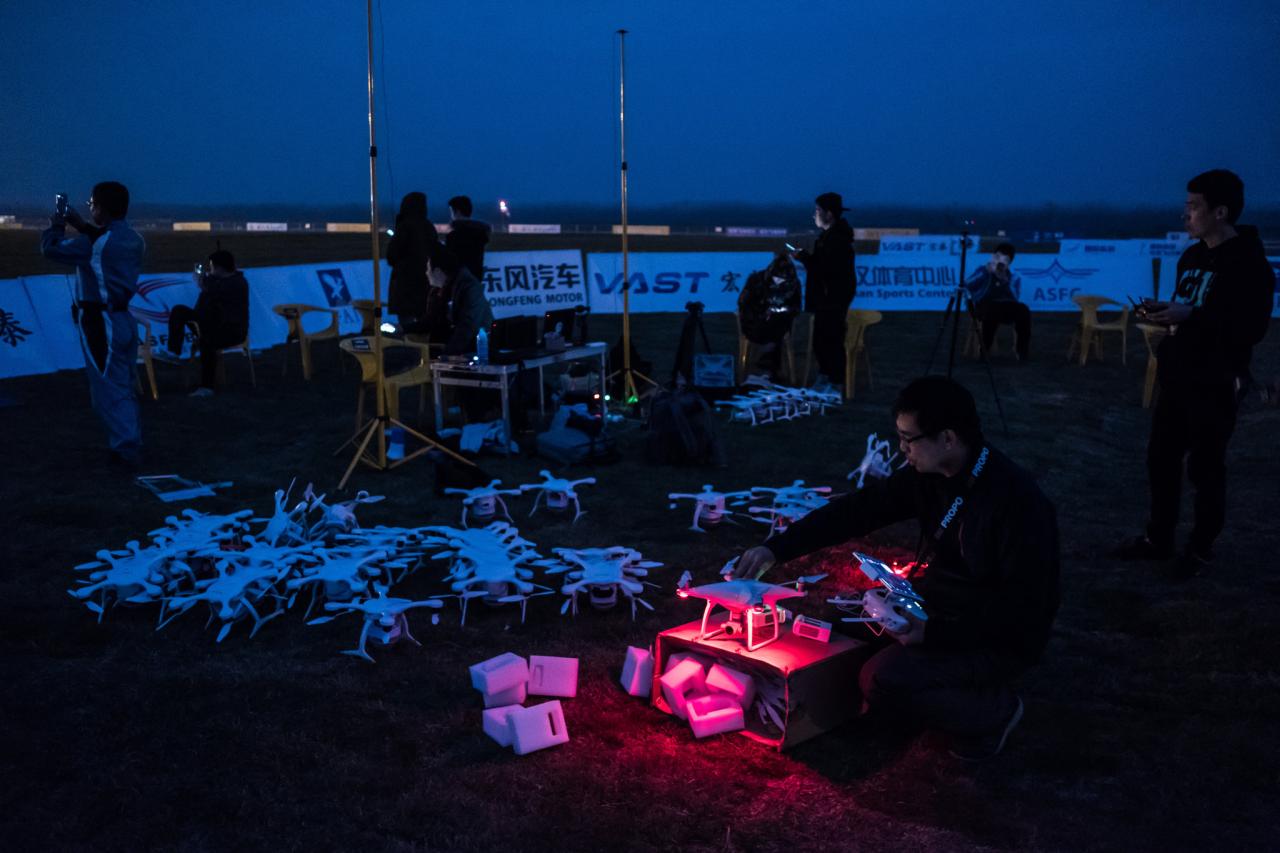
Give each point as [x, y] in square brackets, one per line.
[713, 714]
[511, 696]
[685, 677]
[497, 724]
[553, 676]
[731, 682]
[498, 674]
[637, 672]
[811, 629]
[538, 727]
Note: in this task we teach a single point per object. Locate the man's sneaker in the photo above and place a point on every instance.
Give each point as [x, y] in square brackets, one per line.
[1190, 564]
[201, 392]
[1142, 548]
[989, 746]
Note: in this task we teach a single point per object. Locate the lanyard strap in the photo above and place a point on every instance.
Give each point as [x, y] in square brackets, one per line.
[929, 543]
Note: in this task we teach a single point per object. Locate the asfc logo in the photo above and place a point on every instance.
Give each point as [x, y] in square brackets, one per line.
[155, 297]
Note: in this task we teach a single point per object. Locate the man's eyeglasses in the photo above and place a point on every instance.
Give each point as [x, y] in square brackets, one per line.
[912, 439]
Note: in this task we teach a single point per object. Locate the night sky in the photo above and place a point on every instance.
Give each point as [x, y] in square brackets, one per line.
[919, 103]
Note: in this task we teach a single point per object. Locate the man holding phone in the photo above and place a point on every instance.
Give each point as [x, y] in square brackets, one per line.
[108, 257]
[1220, 309]
[994, 290]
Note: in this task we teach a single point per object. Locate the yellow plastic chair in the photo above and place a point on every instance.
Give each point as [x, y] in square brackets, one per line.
[242, 347]
[1089, 335]
[804, 322]
[744, 354]
[144, 356]
[1151, 335]
[855, 344]
[365, 308]
[418, 375]
[294, 312]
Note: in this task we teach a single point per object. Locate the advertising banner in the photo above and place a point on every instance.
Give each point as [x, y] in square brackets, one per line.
[667, 281]
[519, 283]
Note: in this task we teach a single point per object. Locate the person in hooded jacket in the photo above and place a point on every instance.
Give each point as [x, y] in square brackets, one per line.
[407, 294]
[1220, 309]
[830, 285]
[767, 306]
[467, 237]
[221, 316]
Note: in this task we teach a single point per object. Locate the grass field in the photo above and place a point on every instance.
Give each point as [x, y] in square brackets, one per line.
[1150, 724]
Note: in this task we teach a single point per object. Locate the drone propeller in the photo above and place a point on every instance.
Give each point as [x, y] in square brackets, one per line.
[320, 620]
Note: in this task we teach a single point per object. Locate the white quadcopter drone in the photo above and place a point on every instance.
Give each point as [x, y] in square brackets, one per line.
[484, 501]
[602, 573]
[877, 462]
[560, 493]
[752, 605]
[890, 607]
[385, 622]
[134, 575]
[710, 505]
[790, 504]
[492, 563]
[232, 596]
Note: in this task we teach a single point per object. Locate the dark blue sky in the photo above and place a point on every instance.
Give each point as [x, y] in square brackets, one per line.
[916, 103]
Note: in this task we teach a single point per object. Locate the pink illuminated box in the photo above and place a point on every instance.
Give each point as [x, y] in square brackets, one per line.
[808, 687]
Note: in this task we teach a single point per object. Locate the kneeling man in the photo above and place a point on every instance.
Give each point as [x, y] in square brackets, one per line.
[990, 539]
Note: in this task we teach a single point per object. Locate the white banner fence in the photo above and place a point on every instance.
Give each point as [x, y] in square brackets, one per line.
[913, 273]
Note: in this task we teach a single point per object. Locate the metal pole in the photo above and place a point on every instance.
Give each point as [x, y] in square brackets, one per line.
[379, 391]
[628, 382]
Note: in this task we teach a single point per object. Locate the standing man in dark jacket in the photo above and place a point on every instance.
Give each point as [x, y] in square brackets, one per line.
[407, 256]
[221, 316]
[108, 259]
[467, 237]
[468, 310]
[830, 285]
[1220, 309]
[990, 539]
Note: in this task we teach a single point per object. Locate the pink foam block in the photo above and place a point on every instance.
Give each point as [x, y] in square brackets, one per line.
[713, 714]
[511, 696]
[498, 674]
[685, 677]
[731, 682]
[637, 671]
[497, 724]
[537, 727]
[674, 660]
[553, 676]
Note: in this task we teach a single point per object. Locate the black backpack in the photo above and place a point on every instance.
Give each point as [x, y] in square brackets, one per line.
[682, 430]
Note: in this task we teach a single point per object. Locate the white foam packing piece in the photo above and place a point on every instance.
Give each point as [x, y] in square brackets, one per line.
[537, 727]
[553, 676]
[685, 677]
[674, 660]
[728, 681]
[500, 673]
[637, 672]
[497, 723]
[713, 714]
[511, 696]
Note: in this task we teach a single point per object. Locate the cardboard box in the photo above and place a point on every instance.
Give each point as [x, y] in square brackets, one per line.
[815, 685]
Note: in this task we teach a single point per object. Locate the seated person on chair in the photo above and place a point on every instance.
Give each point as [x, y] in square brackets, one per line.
[993, 291]
[468, 310]
[989, 538]
[767, 307]
[220, 315]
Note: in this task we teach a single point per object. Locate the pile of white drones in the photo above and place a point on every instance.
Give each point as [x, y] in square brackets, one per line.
[247, 569]
[780, 507]
[770, 402]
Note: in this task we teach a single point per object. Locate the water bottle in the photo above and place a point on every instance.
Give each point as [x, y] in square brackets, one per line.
[395, 443]
[482, 346]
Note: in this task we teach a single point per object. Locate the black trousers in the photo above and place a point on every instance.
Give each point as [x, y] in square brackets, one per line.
[828, 342]
[212, 340]
[1191, 425]
[992, 314]
[965, 693]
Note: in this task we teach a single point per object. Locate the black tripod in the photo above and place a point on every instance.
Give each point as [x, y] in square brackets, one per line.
[952, 315]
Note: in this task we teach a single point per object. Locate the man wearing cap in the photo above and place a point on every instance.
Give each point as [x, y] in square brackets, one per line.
[830, 286]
